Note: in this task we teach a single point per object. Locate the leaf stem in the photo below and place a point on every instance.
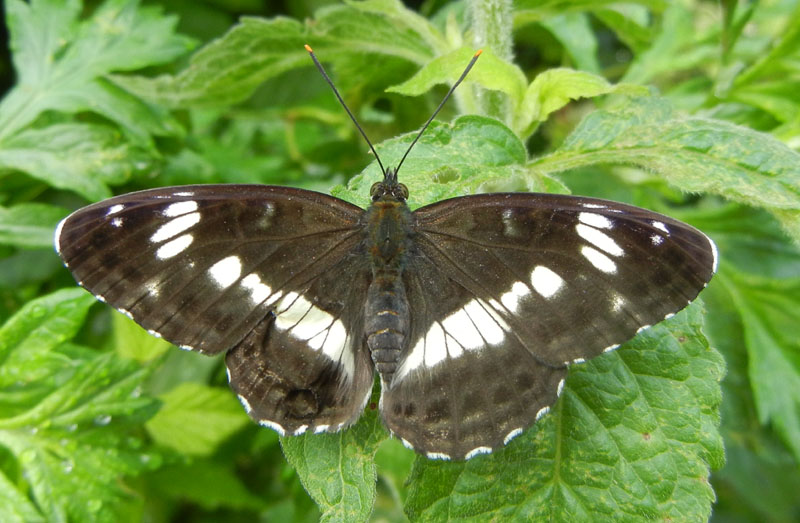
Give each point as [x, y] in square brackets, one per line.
[492, 25]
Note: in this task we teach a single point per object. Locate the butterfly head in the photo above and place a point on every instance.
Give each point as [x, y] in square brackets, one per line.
[389, 188]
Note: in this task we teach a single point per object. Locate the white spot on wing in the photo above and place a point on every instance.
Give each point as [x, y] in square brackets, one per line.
[511, 435]
[715, 253]
[114, 209]
[595, 220]
[258, 291]
[617, 302]
[460, 327]
[487, 325]
[57, 235]
[175, 226]
[321, 428]
[274, 426]
[542, 412]
[174, 247]
[407, 444]
[117, 222]
[593, 206]
[178, 208]
[579, 360]
[643, 327]
[153, 333]
[560, 387]
[660, 226]
[437, 455]
[226, 271]
[611, 347]
[512, 298]
[435, 345]
[301, 430]
[656, 239]
[185, 193]
[245, 403]
[599, 260]
[545, 281]
[599, 239]
[479, 450]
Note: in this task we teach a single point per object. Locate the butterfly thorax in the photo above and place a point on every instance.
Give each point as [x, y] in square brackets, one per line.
[388, 226]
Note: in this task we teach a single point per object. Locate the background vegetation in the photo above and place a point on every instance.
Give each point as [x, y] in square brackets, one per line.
[690, 108]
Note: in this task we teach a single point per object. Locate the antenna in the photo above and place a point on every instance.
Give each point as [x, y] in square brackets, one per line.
[441, 104]
[339, 97]
[353, 118]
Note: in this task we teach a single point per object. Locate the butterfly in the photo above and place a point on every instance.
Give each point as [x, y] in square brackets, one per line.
[470, 310]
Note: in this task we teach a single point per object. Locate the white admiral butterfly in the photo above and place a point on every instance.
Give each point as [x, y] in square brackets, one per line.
[470, 309]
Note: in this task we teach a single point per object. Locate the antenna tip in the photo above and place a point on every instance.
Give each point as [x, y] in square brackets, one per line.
[477, 54]
[308, 48]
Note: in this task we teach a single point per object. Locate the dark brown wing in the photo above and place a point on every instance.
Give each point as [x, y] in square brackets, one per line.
[245, 267]
[508, 289]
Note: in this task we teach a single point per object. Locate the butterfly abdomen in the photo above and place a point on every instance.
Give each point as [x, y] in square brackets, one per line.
[386, 321]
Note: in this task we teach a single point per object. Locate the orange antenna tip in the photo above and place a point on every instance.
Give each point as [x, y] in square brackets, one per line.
[308, 48]
[478, 53]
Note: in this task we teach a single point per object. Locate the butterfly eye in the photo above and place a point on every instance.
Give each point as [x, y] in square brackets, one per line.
[374, 191]
[403, 191]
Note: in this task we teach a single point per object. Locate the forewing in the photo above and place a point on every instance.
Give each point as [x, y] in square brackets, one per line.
[217, 267]
[571, 276]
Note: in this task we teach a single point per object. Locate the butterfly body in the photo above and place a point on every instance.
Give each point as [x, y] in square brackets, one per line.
[387, 316]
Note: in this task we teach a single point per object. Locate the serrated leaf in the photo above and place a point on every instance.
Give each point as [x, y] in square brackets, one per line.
[229, 69]
[338, 469]
[633, 436]
[59, 58]
[695, 154]
[29, 224]
[771, 323]
[35, 330]
[196, 418]
[84, 158]
[555, 88]
[65, 438]
[489, 72]
[472, 153]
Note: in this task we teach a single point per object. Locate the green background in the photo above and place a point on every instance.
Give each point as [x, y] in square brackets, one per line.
[688, 108]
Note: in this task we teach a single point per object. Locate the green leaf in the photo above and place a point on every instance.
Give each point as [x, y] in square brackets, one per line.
[633, 436]
[694, 154]
[338, 469]
[81, 157]
[768, 309]
[59, 58]
[555, 88]
[575, 33]
[29, 224]
[472, 154]
[132, 341]
[35, 330]
[489, 72]
[206, 483]
[229, 69]
[195, 419]
[64, 431]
